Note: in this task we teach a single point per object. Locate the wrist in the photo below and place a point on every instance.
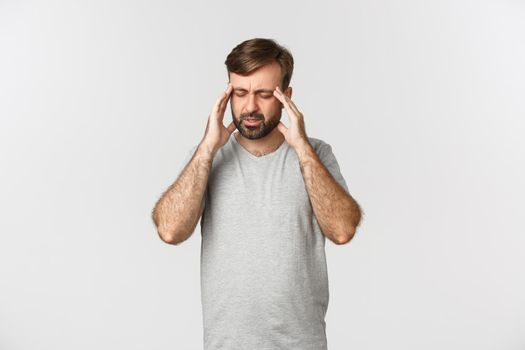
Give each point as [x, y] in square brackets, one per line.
[304, 149]
[206, 151]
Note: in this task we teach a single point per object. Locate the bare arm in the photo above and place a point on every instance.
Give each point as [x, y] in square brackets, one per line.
[336, 210]
[337, 213]
[178, 211]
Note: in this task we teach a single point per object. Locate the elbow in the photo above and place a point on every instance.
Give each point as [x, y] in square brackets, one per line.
[345, 237]
[166, 235]
[169, 237]
[347, 232]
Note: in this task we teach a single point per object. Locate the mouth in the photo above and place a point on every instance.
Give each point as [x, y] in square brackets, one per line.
[251, 121]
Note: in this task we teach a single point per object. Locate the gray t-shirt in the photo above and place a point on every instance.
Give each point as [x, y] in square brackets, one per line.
[264, 282]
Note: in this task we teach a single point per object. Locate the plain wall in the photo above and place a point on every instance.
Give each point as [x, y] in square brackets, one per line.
[422, 102]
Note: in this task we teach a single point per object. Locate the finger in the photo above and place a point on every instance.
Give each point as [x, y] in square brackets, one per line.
[227, 95]
[283, 129]
[224, 97]
[289, 110]
[231, 127]
[222, 100]
[294, 107]
[282, 97]
[217, 105]
[289, 100]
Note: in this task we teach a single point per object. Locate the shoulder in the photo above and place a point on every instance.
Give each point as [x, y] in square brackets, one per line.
[319, 145]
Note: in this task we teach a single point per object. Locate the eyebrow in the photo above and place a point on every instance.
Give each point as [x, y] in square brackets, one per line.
[258, 90]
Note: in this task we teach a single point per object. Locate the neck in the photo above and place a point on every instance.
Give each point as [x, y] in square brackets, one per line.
[262, 146]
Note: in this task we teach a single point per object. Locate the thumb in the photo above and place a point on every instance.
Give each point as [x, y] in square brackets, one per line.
[283, 129]
[231, 127]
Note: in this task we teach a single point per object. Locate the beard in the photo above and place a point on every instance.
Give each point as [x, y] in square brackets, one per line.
[256, 132]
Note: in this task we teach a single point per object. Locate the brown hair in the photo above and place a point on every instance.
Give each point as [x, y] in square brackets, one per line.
[257, 52]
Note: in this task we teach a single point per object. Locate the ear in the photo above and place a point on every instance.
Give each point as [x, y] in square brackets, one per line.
[288, 91]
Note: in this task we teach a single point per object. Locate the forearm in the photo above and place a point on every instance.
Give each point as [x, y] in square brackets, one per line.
[337, 213]
[178, 210]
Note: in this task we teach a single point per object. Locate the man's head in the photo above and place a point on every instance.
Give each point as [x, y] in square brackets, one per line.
[255, 67]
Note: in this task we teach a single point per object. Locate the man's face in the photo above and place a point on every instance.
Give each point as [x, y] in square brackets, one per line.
[255, 110]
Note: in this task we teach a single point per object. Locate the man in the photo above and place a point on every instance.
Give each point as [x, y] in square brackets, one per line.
[268, 196]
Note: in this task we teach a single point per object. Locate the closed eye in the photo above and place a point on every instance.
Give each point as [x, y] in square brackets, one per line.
[265, 95]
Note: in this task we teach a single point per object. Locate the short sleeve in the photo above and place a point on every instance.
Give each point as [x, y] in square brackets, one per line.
[329, 160]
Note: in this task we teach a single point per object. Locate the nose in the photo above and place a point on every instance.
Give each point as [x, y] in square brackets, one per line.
[251, 104]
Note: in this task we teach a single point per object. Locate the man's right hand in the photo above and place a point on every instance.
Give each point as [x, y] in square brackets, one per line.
[216, 134]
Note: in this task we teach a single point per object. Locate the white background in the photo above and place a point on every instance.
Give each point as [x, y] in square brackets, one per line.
[422, 102]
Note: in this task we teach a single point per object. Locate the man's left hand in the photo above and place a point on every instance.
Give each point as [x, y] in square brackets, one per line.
[295, 135]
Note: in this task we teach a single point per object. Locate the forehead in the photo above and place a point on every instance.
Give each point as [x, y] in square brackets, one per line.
[265, 77]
